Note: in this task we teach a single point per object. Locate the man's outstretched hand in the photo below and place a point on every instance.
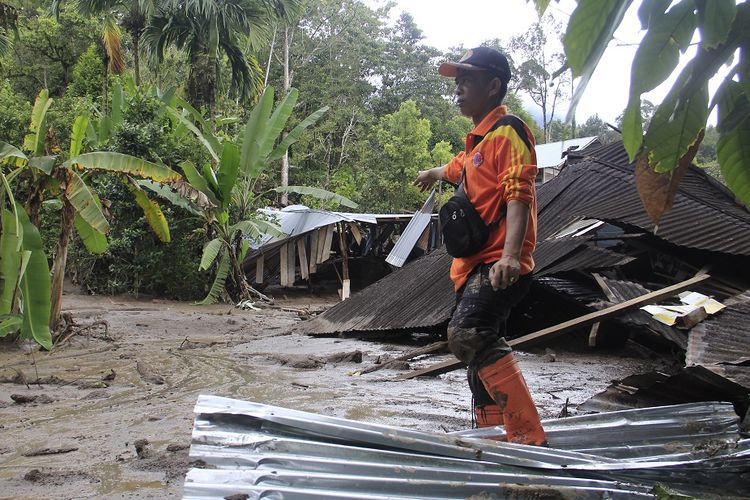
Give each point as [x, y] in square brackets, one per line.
[426, 178]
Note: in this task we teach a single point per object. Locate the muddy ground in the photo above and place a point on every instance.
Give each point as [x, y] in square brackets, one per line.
[108, 414]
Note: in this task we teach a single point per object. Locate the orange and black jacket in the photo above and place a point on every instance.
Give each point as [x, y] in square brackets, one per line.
[500, 163]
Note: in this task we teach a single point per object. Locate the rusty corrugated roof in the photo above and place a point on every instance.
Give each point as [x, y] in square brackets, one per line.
[418, 296]
[601, 186]
[720, 343]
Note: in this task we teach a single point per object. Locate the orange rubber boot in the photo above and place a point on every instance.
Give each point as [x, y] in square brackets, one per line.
[488, 416]
[505, 383]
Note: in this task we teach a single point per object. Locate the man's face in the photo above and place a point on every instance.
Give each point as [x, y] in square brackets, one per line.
[473, 92]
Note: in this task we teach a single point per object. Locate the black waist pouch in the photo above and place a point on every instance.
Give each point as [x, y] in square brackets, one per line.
[464, 231]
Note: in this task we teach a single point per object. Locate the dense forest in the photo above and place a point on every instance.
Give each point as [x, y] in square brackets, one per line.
[161, 104]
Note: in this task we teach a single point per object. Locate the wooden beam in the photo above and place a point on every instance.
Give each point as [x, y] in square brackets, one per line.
[283, 273]
[291, 264]
[314, 251]
[304, 271]
[585, 320]
[354, 228]
[605, 288]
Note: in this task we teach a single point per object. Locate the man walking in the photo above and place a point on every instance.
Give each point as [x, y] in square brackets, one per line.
[498, 169]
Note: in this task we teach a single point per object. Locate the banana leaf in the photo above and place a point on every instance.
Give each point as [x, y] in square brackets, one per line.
[12, 154]
[34, 140]
[198, 181]
[85, 202]
[78, 135]
[10, 263]
[219, 282]
[211, 143]
[10, 323]
[210, 251]
[127, 164]
[227, 173]
[152, 211]
[35, 286]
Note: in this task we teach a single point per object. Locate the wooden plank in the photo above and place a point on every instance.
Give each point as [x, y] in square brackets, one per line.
[291, 264]
[283, 273]
[354, 228]
[325, 251]
[314, 251]
[259, 262]
[605, 288]
[585, 320]
[304, 271]
[424, 239]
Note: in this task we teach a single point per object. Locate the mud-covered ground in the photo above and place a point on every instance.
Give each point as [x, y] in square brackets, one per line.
[108, 413]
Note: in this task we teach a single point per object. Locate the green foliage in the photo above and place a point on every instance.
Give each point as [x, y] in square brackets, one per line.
[680, 120]
[14, 113]
[47, 50]
[88, 74]
[224, 195]
[400, 152]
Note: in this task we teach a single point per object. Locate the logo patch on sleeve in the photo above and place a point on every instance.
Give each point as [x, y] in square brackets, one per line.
[478, 159]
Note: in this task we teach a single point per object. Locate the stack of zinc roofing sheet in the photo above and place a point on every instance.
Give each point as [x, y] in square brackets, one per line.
[258, 451]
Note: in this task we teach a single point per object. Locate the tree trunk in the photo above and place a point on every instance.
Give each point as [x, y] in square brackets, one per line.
[58, 265]
[287, 86]
[137, 58]
[201, 84]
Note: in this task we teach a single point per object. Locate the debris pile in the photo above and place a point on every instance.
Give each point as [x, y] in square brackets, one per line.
[250, 450]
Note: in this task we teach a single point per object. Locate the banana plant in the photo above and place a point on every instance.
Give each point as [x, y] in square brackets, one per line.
[223, 191]
[25, 289]
[49, 175]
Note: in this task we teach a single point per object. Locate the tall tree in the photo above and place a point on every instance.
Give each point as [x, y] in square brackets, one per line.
[536, 60]
[400, 151]
[332, 55]
[131, 15]
[209, 29]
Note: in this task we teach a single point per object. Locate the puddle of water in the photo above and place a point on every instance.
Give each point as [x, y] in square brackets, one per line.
[112, 482]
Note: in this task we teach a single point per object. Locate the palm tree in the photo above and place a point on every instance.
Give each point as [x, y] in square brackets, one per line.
[8, 22]
[206, 29]
[131, 15]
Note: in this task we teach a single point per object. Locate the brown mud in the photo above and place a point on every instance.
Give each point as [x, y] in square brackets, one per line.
[108, 414]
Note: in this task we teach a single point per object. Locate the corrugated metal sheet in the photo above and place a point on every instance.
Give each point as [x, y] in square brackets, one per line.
[599, 188]
[413, 231]
[270, 452]
[626, 290]
[691, 384]
[551, 153]
[720, 343]
[419, 296]
[583, 257]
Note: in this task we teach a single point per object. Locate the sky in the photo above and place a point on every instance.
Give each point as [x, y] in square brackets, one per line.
[446, 24]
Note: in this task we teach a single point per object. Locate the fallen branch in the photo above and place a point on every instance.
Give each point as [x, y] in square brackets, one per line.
[585, 320]
[428, 349]
[49, 451]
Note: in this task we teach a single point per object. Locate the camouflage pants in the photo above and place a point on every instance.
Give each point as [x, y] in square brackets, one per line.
[476, 332]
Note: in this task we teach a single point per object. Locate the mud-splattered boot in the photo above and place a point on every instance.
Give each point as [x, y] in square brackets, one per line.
[505, 383]
[488, 416]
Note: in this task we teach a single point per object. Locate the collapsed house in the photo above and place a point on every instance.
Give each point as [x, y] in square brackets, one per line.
[597, 248]
[314, 243]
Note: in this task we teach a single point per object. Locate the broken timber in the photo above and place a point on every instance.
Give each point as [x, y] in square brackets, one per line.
[585, 320]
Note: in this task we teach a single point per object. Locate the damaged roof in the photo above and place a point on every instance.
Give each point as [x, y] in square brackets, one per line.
[417, 297]
[720, 343]
[601, 185]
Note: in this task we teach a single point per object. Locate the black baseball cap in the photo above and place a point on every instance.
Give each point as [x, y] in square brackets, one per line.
[479, 59]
